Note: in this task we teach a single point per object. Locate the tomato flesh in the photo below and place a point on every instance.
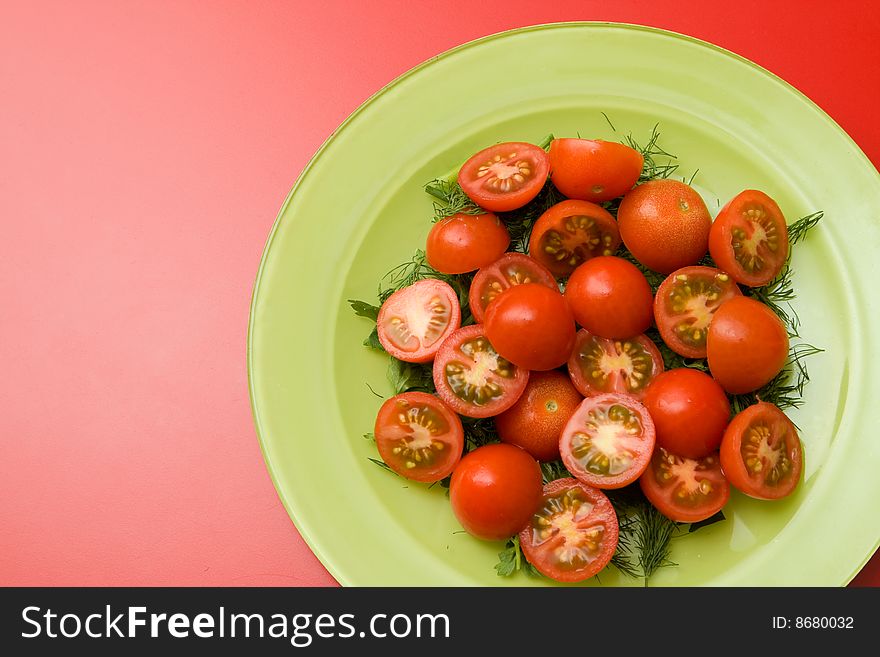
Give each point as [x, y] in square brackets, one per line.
[599, 365]
[608, 441]
[573, 534]
[505, 176]
[685, 305]
[509, 270]
[761, 453]
[473, 378]
[419, 436]
[414, 321]
[749, 238]
[683, 489]
[572, 232]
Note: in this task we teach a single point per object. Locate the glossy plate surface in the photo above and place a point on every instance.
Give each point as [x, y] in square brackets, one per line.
[358, 209]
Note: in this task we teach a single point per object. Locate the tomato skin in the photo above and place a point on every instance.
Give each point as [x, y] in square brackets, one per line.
[703, 487]
[431, 430]
[429, 297]
[499, 189]
[557, 515]
[732, 253]
[685, 304]
[509, 270]
[747, 345]
[584, 442]
[536, 420]
[571, 232]
[466, 354]
[690, 412]
[466, 242]
[494, 491]
[593, 170]
[610, 298]
[626, 366]
[762, 427]
[665, 224]
[531, 326]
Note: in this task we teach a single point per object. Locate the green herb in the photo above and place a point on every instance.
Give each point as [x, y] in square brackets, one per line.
[364, 309]
[372, 340]
[383, 465]
[546, 141]
[370, 436]
[786, 389]
[450, 199]
[520, 222]
[511, 560]
[479, 432]
[553, 470]
[405, 377]
[654, 166]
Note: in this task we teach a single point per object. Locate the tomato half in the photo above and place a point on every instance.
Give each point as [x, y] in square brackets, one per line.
[665, 224]
[574, 533]
[465, 242]
[610, 297]
[599, 365]
[509, 270]
[683, 489]
[572, 232]
[747, 345]
[608, 441]
[414, 321]
[761, 452]
[594, 170]
[472, 378]
[495, 490]
[531, 326]
[419, 436]
[685, 304]
[537, 419]
[749, 238]
[505, 176]
[690, 412]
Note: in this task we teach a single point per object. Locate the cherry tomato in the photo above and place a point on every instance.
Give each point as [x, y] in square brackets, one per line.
[685, 304]
[505, 176]
[419, 436]
[761, 452]
[610, 298]
[683, 489]
[536, 420]
[749, 238]
[414, 321]
[608, 441]
[574, 533]
[472, 378]
[572, 232]
[594, 170]
[531, 326]
[690, 412]
[495, 490]
[465, 242]
[747, 345]
[665, 224]
[509, 270]
[599, 365]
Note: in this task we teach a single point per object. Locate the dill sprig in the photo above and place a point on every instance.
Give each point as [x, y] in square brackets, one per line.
[520, 222]
[478, 432]
[654, 167]
[553, 470]
[450, 199]
[786, 389]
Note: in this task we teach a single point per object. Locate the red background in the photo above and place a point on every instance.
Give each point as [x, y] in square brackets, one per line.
[145, 148]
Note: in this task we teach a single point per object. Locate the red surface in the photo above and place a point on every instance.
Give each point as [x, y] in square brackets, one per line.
[146, 148]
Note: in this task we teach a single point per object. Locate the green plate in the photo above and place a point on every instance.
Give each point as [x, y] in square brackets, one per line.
[358, 209]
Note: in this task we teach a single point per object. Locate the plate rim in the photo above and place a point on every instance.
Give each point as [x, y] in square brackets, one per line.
[319, 553]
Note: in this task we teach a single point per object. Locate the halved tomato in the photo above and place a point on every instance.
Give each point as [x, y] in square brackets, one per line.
[571, 232]
[414, 321]
[419, 436]
[749, 238]
[574, 533]
[761, 452]
[594, 170]
[685, 304]
[608, 441]
[599, 365]
[683, 489]
[472, 378]
[505, 176]
[509, 270]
